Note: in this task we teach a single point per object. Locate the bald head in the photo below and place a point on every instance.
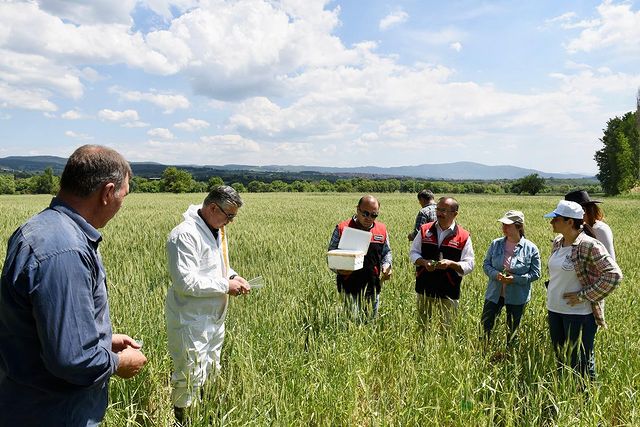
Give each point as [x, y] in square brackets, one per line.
[368, 199]
[367, 211]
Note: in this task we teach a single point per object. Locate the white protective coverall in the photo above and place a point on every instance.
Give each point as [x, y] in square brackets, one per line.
[196, 304]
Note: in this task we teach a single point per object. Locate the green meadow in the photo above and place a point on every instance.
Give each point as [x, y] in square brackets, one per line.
[291, 358]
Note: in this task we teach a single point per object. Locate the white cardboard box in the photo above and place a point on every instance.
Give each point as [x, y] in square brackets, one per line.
[342, 259]
[353, 245]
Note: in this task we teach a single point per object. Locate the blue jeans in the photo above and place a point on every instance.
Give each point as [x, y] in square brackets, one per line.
[573, 337]
[491, 310]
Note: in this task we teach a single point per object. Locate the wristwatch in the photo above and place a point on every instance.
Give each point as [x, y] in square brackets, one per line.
[233, 276]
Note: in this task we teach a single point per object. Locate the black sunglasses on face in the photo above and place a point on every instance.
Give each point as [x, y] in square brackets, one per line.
[368, 214]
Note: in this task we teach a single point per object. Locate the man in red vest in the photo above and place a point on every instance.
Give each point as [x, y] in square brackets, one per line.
[361, 288]
[443, 253]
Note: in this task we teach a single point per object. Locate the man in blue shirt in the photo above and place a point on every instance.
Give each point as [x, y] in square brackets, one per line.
[57, 351]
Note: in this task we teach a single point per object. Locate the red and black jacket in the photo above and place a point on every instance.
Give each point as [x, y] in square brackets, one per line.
[440, 283]
[367, 279]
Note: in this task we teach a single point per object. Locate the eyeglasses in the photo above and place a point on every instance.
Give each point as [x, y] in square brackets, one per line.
[230, 217]
[442, 210]
[368, 214]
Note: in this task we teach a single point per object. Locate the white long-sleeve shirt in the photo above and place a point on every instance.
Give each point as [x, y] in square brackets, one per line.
[467, 257]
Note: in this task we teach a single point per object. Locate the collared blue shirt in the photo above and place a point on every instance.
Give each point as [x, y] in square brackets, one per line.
[55, 330]
[525, 268]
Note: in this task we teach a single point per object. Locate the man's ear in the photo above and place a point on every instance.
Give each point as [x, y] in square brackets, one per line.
[107, 193]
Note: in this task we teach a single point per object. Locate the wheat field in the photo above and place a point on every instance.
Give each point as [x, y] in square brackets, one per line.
[292, 358]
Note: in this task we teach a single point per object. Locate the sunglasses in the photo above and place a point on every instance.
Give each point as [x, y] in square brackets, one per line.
[442, 210]
[230, 217]
[368, 214]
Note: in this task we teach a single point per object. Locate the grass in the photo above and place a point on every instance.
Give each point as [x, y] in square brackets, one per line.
[291, 358]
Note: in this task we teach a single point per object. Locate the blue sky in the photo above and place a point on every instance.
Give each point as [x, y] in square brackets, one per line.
[331, 83]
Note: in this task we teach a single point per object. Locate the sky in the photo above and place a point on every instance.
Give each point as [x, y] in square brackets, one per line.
[318, 82]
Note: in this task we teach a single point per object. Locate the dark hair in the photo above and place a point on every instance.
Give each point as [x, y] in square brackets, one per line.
[425, 195]
[520, 228]
[223, 195]
[90, 167]
[454, 202]
[593, 213]
[580, 224]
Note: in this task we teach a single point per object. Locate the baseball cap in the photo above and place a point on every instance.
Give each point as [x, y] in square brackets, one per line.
[512, 217]
[567, 209]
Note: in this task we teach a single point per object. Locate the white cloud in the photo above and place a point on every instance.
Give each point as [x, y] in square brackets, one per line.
[442, 37]
[91, 43]
[118, 116]
[616, 28]
[27, 71]
[127, 118]
[135, 125]
[91, 12]
[162, 133]
[393, 129]
[28, 99]
[369, 136]
[229, 50]
[231, 142]
[313, 116]
[80, 136]
[164, 7]
[393, 19]
[72, 115]
[90, 74]
[565, 18]
[192, 125]
[457, 46]
[602, 80]
[168, 101]
[233, 50]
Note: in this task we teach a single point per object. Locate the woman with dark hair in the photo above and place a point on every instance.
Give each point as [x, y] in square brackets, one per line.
[512, 263]
[581, 275]
[594, 216]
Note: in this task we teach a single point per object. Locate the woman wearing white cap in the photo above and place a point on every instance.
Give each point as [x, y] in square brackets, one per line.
[581, 275]
[512, 263]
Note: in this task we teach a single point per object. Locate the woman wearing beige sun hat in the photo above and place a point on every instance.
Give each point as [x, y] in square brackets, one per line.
[512, 263]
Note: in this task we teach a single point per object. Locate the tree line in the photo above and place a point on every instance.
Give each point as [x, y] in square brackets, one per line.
[174, 180]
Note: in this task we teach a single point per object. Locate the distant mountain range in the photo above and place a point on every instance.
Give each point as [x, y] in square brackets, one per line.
[448, 171]
[445, 171]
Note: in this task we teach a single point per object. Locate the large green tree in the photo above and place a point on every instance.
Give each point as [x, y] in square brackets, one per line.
[618, 159]
[175, 180]
[7, 184]
[214, 181]
[531, 184]
[45, 183]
